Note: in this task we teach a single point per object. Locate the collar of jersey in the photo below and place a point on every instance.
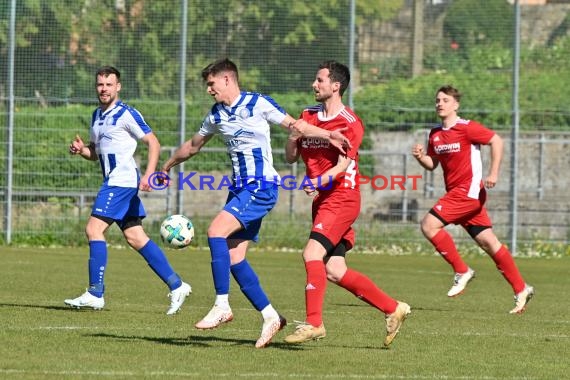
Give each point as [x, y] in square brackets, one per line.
[231, 110]
[104, 114]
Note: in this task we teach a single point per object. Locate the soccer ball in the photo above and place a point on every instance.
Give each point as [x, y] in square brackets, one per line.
[177, 231]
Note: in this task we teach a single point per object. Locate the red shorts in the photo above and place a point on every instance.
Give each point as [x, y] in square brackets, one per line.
[456, 208]
[334, 214]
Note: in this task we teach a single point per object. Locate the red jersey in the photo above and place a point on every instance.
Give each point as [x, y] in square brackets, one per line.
[458, 149]
[319, 156]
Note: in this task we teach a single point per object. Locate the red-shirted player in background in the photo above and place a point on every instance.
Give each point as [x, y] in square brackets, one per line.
[336, 206]
[455, 144]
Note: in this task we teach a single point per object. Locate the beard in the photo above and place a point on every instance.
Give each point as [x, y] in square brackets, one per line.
[321, 97]
[106, 100]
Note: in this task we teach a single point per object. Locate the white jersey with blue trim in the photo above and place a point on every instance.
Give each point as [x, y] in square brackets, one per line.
[244, 127]
[115, 133]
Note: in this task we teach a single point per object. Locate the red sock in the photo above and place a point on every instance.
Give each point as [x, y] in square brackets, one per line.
[506, 265]
[363, 287]
[444, 244]
[315, 291]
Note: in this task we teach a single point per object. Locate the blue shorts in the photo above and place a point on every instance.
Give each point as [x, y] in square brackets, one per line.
[118, 203]
[249, 206]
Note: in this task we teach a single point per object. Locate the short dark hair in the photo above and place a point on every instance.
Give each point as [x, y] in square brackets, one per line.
[338, 73]
[220, 66]
[451, 91]
[108, 70]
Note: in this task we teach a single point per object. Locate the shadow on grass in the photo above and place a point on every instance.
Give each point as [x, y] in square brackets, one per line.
[196, 340]
[45, 307]
[413, 306]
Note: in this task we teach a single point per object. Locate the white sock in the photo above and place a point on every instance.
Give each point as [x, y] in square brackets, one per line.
[222, 300]
[269, 312]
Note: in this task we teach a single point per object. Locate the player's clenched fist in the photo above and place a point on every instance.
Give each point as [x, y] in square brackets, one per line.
[418, 151]
[76, 145]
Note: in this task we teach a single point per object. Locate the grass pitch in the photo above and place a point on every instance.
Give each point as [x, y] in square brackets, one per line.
[469, 337]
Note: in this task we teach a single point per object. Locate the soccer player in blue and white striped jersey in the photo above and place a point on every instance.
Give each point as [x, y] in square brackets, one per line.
[243, 119]
[115, 130]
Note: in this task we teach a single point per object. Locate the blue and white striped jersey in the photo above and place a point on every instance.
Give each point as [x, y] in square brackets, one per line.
[115, 133]
[244, 127]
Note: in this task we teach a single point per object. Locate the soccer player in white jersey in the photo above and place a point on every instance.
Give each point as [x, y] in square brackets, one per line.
[243, 120]
[115, 129]
[456, 145]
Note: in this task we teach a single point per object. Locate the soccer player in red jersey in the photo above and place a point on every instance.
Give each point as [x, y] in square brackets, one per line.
[455, 144]
[336, 205]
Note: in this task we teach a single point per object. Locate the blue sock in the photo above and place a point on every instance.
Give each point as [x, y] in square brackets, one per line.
[220, 264]
[249, 284]
[97, 265]
[158, 262]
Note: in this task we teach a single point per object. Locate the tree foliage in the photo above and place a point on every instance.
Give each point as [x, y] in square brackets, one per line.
[472, 22]
[66, 40]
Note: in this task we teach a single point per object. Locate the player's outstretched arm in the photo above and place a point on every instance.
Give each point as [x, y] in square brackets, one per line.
[186, 151]
[301, 127]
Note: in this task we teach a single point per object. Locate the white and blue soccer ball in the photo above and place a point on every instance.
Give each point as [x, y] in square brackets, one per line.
[177, 231]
